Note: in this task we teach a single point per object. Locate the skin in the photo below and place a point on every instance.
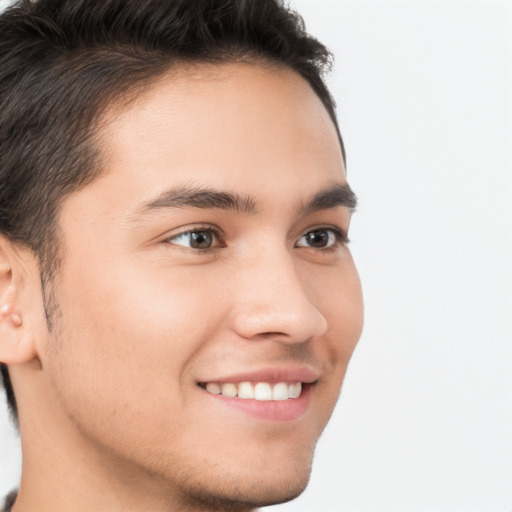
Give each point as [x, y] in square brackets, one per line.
[111, 414]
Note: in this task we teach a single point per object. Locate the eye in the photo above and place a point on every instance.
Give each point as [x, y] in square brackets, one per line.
[201, 239]
[321, 238]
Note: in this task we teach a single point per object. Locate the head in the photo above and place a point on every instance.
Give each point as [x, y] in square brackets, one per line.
[173, 218]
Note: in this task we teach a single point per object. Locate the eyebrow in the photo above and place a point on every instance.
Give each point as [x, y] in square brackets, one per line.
[200, 197]
[337, 195]
[208, 198]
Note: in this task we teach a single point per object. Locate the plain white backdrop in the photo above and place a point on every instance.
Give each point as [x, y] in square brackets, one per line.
[424, 423]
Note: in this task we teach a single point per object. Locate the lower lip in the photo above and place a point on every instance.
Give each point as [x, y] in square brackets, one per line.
[270, 410]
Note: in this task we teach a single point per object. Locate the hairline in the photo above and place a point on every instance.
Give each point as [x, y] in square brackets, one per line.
[50, 255]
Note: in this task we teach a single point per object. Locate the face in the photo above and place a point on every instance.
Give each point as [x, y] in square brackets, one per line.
[209, 260]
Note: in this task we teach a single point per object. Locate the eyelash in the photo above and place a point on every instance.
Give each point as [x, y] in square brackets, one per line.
[216, 233]
[341, 238]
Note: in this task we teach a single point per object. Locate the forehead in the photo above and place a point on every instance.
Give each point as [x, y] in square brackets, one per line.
[227, 126]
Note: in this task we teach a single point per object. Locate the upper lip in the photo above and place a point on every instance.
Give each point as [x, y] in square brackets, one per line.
[271, 375]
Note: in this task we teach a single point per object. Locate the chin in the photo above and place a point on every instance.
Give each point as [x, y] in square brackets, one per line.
[249, 495]
[249, 488]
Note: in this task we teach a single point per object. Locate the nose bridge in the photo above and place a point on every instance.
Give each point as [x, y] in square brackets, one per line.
[271, 299]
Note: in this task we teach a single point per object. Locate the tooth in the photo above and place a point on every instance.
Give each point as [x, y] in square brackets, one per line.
[213, 387]
[280, 391]
[294, 390]
[245, 390]
[229, 389]
[262, 391]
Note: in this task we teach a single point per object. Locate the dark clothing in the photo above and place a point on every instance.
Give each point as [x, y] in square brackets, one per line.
[9, 501]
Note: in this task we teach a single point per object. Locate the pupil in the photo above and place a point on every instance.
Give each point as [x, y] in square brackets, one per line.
[201, 240]
[318, 238]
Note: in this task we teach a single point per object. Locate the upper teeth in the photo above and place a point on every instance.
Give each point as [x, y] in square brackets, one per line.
[258, 391]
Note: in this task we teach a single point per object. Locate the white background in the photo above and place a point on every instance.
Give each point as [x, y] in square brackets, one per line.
[425, 105]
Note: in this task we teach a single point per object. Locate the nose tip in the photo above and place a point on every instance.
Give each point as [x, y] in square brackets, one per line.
[288, 316]
[274, 296]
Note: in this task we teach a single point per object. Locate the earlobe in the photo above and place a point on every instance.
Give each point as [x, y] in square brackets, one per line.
[7, 312]
[16, 344]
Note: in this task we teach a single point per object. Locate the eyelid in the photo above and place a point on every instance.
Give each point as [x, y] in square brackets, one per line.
[339, 233]
[217, 233]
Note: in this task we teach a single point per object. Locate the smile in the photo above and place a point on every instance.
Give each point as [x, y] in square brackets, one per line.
[263, 391]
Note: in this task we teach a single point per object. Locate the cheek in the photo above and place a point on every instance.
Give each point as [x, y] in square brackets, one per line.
[337, 294]
[347, 316]
[124, 344]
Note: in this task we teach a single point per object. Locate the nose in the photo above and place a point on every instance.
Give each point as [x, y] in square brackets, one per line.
[271, 301]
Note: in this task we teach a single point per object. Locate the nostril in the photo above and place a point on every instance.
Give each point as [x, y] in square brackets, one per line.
[290, 316]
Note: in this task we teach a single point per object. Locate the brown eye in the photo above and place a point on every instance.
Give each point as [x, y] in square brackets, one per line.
[197, 239]
[201, 239]
[318, 239]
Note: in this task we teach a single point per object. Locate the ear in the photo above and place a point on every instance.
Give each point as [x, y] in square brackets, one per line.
[16, 341]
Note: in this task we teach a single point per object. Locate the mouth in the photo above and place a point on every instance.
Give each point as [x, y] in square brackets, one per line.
[275, 395]
[261, 391]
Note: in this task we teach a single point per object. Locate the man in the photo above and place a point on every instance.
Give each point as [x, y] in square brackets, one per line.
[178, 302]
